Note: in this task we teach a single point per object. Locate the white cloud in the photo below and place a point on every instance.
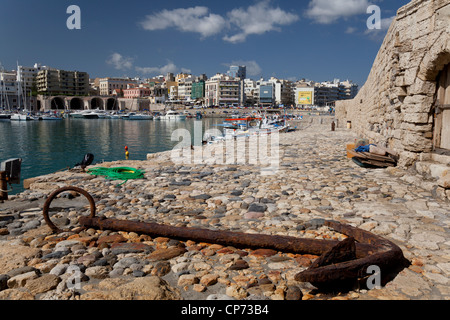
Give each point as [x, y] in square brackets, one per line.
[326, 12]
[169, 67]
[119, 62]
[350, 30]
[253, 68]
[195, 19]
[257, 19]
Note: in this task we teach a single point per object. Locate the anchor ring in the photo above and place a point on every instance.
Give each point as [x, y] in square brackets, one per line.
[52, 196]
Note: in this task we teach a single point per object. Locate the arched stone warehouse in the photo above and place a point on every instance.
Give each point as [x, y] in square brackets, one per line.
[404, 104]
[112, 104]
[57, 103]
[76, 104]
[97, 103]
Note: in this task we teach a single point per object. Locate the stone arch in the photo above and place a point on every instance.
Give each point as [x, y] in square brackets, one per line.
[97, 103]
[436, 58]
[76, 104]
[111, 104]
[57, 103]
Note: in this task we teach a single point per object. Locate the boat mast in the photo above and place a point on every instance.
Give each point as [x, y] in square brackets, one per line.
[3, 86]
[19, 87]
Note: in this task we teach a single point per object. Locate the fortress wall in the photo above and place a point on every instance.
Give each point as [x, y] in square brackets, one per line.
[395, 107]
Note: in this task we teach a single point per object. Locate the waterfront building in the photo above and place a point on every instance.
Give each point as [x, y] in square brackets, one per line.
[237, 72]
[222, 90]
[26, 76]
[185, 89]
[305, 96]
[61, 82]
[284, 91]
[133, 93]
[198, 90]
[173, 92]
[327, 93]
[107, 85]
[181, 76]
[348, 90]
[159, 90]
[169, 77]
[251, 92]
[8, 90]
[266, 94]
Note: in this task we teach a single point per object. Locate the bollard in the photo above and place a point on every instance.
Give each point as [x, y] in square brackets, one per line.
[333, 126]
[3, 186]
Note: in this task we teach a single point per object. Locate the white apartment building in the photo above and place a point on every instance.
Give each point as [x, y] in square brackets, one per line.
[251, 92]
[26, 76]
[284, 91]
[108, 85]
[8, 90]
[8, 83]
[185, 89]
[224, 91]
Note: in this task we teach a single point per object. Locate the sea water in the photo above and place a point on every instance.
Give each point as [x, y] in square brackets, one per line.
[48, 146]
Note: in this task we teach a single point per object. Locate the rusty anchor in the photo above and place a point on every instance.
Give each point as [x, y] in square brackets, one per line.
[339, 261]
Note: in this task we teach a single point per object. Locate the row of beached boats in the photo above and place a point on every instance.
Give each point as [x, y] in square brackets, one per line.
[93, 114]
[236, 128]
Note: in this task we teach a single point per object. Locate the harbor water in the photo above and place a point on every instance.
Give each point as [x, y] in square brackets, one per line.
[48, 146]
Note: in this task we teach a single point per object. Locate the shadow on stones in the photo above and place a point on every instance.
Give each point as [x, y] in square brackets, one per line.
[345, 286]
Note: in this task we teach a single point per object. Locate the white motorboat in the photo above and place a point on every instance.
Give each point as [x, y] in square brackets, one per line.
[50, 117]
[90, 115]
[78, 114]
[95, 114]
[5, 116]
[114, 116]
[20, 117]
[173, 115]
[138, 116]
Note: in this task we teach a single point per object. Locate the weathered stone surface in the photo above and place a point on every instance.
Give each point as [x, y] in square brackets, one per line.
[21, 279]
[166, 254]
[42, 284]
[15, 294]
[444, 182]
[147, 288]
[15, 256]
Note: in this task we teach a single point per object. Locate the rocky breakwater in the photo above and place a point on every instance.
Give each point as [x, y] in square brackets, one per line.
[314, 181]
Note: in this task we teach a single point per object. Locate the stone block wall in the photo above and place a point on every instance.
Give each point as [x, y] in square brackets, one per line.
[395, 107]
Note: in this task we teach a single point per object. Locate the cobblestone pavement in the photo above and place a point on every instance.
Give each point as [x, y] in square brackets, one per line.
[315, 180]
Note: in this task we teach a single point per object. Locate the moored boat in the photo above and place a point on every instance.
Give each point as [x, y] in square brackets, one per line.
[173, 115]
[20, 117]
[139, 116]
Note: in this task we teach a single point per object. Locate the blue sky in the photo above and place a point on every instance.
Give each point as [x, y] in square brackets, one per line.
[313, 39]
